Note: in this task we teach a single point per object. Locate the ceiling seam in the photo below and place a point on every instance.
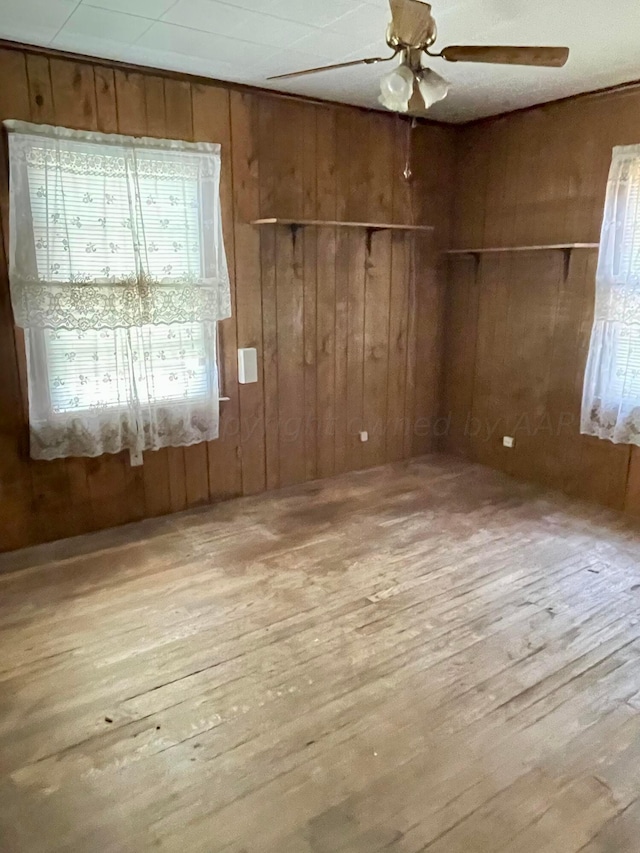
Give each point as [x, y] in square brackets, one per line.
[66, 21]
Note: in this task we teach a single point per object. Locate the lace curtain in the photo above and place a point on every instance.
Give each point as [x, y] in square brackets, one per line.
[118, 276]
[611, 399]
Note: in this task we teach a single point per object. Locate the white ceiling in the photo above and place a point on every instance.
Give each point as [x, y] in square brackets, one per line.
[247, 40]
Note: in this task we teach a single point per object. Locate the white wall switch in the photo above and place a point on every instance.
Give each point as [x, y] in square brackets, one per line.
[509, 441]
[364, 436]
[247, 365]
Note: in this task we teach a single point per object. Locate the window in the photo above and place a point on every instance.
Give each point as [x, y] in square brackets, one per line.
[611, 399]
[87, 370]
[118, 276]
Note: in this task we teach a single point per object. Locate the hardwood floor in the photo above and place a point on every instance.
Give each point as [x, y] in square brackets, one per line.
[423, 657]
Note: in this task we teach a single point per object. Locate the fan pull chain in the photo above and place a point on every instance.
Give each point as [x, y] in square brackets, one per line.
[408, 174]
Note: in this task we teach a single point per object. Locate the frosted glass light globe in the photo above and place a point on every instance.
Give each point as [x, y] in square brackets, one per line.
[433, 87]
[396, 89]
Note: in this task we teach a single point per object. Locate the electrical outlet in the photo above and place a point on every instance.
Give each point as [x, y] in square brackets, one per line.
[364, 436]
[135, 458]
[509, 441]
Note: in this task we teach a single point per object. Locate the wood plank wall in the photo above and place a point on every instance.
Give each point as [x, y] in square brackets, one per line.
[348, 324]
[518, 325]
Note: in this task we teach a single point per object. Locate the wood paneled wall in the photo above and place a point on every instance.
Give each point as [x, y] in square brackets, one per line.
[348, 324]
[518, 325]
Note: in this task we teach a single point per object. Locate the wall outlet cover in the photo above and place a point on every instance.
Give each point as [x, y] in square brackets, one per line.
[136, 458]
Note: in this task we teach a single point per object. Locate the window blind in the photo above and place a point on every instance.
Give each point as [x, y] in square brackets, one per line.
[118, 276]
[86, 233]
[90, 370]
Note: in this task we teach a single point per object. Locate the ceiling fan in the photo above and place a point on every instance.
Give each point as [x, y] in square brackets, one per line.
[412, 89]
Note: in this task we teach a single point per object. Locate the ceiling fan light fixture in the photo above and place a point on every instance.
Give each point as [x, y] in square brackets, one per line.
[396, 89]
[411, 89]
[432, 86]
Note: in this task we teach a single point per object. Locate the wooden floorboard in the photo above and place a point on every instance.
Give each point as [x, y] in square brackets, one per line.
[428, 656]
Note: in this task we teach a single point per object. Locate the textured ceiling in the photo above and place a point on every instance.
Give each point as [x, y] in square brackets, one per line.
[247, 40]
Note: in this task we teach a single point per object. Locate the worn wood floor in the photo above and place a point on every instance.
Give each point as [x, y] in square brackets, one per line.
[423, 657]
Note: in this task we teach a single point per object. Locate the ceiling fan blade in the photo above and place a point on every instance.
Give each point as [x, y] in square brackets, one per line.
[412, 24]
[550, 57]
[369, 61]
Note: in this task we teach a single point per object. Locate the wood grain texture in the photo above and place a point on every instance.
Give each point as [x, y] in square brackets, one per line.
[512, 249]
[378, 224]
[519, 322]
[427, 656]
[315, 303]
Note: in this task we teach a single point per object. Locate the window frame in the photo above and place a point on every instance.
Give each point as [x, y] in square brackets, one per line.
[36, 338]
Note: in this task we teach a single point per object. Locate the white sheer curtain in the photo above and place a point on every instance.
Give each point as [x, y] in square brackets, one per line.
[118, 275]
[611, 399]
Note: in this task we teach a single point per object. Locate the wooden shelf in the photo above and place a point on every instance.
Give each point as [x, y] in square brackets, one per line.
[562, 246]
[376, 226]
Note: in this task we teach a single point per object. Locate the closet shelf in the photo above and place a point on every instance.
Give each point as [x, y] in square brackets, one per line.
[376, 226]
[562, 246]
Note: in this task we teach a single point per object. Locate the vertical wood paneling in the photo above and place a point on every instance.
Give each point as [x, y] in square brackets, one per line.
[290, 337]
[344, 152]
[268, 264]
[106, 103]
[16, 491]
[378, 281]
[398, 333]
[412, 332]
[326, 244]
[489, 364]
[40, 94]
[131, 101]
[74, 92]
[376, 346]
[402, 196]
[243, 164]
[472, 166]
[340, 319]
[310, 206]
[358, 252]
[427, 378]
[461, 330]
[156, 122]
[545, 182]
[632, 495]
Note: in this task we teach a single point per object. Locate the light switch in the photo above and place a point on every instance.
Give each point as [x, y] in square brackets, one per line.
[247, 365]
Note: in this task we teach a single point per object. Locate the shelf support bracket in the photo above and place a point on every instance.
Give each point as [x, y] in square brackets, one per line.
[294, 227]
[371, 230]
[567, 262]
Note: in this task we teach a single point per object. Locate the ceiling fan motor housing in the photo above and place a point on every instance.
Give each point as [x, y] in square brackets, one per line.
[412, 25]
